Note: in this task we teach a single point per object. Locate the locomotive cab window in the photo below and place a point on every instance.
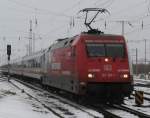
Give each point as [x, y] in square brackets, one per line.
[115, 50]
[95, 50]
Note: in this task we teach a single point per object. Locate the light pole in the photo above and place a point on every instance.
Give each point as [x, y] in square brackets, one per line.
[145, 41]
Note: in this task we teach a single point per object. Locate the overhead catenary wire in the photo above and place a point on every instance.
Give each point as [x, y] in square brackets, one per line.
[44, 11]
[22, 4]
[106, 4]
[126, 9]
[98, 3]
[147, 26]
[55, 13]
[73, 6]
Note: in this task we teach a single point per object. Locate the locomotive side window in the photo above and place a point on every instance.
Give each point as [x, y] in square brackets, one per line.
[95, 50]
[115, 50]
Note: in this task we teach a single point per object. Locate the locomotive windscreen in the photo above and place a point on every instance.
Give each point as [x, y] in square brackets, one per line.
[105, 50]
[115, 50]
[95, 50]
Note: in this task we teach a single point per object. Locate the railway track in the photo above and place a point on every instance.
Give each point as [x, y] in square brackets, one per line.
[145, 98]
[89, 112]
[132, 111]
[146, 95]
[142, 83]
[112, 112]
[104, 110]
[115, 111]
[3, 78]
[45, 106]
[119, 111]
[106, 113]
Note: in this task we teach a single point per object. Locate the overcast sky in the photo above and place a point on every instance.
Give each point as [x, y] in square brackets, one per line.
[52, 19]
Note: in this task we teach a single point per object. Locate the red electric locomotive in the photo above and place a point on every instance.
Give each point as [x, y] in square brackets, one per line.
[92, 63]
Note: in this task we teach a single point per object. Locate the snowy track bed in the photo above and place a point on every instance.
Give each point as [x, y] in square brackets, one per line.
[59, 106]
[143, 85]
[35, 102]
[145, 108]
[131, 110]
[108, 112]
[15, 104]
[114, 112]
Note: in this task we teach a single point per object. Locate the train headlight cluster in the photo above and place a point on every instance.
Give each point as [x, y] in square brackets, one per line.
[90, 75]
[125, 76]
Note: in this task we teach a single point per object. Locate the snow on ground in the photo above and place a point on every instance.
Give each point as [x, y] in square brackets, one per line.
[62, 108]
[145, 108]
[122, 113]
[14, 104]
[146, 82]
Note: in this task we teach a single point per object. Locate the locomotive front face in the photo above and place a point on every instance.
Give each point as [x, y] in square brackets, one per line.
[106, 62]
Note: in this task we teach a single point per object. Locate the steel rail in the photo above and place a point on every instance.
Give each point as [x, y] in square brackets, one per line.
[103, 109]
[135, 112]
[44, 105]
[56, 97]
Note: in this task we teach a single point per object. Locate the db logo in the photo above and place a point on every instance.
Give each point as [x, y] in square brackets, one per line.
[107, 67]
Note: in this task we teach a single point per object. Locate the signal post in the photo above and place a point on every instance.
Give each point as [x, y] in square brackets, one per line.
[8, 53]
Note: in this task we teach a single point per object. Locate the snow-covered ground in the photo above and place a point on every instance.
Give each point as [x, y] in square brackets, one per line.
[143, 82]
[15, 104]
[145, 108]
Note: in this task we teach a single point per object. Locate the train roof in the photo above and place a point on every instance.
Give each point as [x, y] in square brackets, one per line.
[65, 42]
[99, 34]
[36, 54]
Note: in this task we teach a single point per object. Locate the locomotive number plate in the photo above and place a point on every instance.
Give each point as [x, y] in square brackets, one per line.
[107, 67]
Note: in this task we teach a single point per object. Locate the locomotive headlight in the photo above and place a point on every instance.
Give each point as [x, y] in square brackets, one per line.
[125, 75]
[90, 75]
[106, 59]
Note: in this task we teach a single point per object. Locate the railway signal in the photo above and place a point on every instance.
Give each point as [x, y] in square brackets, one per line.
[8, 51]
